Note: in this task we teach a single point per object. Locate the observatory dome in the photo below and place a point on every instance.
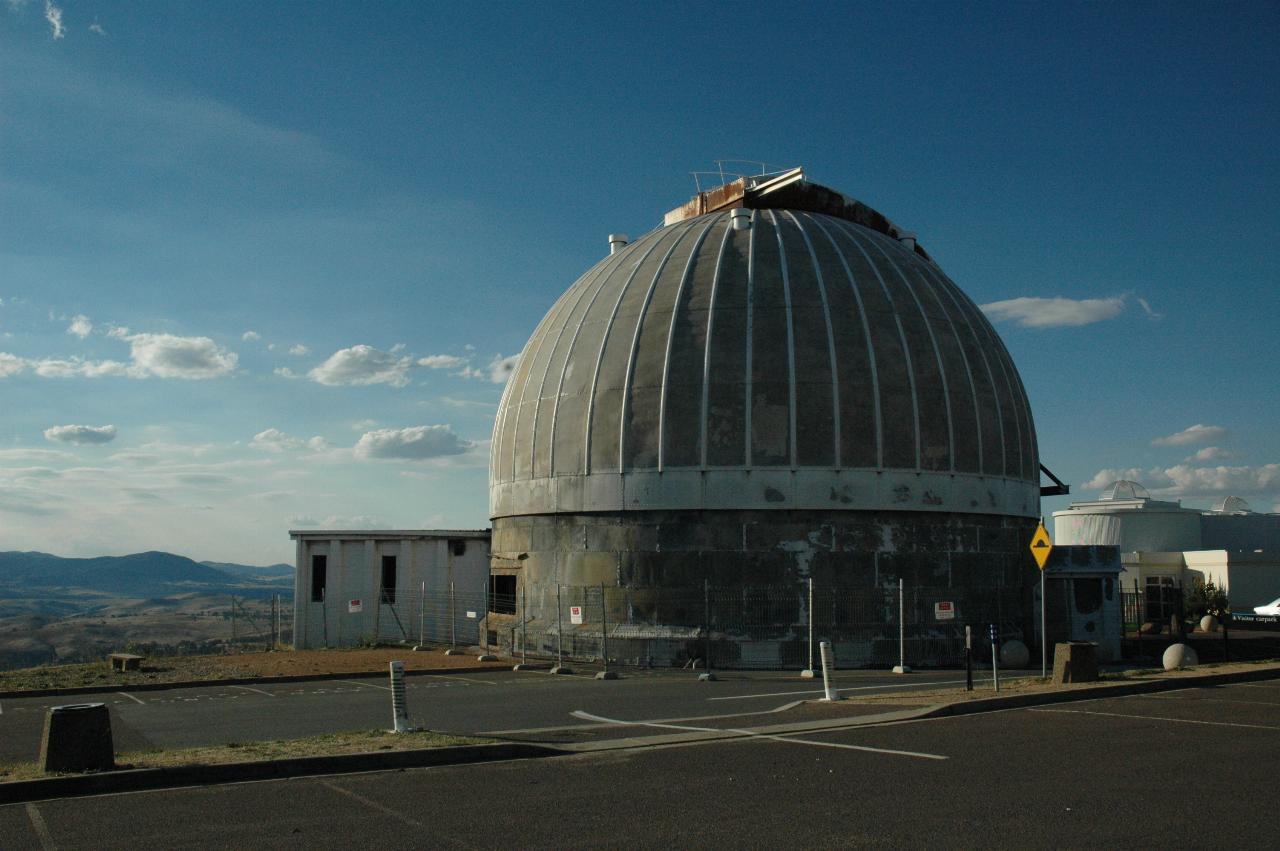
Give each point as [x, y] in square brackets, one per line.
[782, 357]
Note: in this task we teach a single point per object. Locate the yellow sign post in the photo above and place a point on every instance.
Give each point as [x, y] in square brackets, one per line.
[1041, 546]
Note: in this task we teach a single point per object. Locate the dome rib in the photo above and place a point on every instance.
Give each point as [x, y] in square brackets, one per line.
[831, 339]
[802, 362]
[866, 336]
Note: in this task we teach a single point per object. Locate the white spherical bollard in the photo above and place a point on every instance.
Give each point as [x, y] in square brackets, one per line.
[1178, 656]
[1014, 654]
[1208, 623]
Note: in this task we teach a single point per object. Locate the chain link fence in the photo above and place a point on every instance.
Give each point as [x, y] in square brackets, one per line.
[745, 627]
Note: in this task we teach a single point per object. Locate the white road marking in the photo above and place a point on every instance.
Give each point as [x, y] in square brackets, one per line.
[374, 805]
[1207, 699]
[571, 727]
[850, 688]
[1160, 718]
[461, 679]
[777, 738]
[254, 690]
[41, 829]
[131, 697]
[370, 685]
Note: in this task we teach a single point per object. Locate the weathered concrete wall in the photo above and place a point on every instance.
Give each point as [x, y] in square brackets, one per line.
[679, 550]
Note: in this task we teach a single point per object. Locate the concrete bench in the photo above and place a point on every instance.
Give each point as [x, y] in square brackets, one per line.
[125, 662]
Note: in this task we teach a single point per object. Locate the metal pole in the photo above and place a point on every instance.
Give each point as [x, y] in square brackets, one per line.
[902, 626]
[485, 630]
[524, 624]
[453, 617]
[968, 657]
[1044, 633]
[604, 630]
[559, 629]
[422, 613]
[995, 657]
[706, 617]
[811, 625]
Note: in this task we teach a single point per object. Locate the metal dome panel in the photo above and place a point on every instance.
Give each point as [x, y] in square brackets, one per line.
[806, 361]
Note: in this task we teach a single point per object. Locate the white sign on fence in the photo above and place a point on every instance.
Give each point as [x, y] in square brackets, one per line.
[471, 615]
[354, 606]
[945, 611]
[575, 614]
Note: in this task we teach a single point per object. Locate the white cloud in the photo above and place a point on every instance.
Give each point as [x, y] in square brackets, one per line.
[250, 336]
[362, 365]
[1054, 312]
[442, 361]
[53, 15]
[1146, 308]
[338, 521]
[500, 368]
[364, 425]
[1209, 453]
[454, 402]
[274, 440]
[81, 435]
[167, 356]
[416, 443]
[11, 364]
[1194, 434]
[1185, 480]
[96, 28]
[119, 332]
[299, 350]
[80, 326]
[285, 372]
[35, 455]
[72, 367]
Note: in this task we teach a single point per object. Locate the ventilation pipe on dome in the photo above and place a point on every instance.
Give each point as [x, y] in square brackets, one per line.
[908, 240]
[740, 218]
[617, 241]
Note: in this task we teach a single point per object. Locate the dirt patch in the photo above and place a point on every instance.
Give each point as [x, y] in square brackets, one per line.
[335, 744]
[284, 663]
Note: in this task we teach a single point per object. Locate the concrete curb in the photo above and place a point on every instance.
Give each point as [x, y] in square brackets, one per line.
[140, 779]
[240, 681]
[1019, 701]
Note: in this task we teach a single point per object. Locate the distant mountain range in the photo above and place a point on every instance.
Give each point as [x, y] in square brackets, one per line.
[150, 574]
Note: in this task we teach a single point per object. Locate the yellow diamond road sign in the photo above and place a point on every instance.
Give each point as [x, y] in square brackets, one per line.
[1041, 545]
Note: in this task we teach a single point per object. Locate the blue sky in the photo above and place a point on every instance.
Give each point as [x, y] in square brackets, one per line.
[261, 264]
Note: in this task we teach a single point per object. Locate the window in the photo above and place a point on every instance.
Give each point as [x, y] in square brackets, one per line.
[459, 548]
[319, 571]
[388, 579]
[502, 595]
[1163, 598]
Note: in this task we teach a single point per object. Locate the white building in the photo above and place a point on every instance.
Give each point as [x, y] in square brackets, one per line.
[1163, 544]
[356, 587]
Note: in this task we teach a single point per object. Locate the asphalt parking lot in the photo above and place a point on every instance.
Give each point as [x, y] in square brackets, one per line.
[496, 701]
[1192, 767]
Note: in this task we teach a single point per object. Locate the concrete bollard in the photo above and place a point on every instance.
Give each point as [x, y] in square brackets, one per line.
[1179, 656]
[77, 737]
[399, 702]
[828, 667]
[1075, 662]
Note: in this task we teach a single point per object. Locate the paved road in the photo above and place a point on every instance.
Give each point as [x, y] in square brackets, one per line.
[467, 703]
[1191, 768]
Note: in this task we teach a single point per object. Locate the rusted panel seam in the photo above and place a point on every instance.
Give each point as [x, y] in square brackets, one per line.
[671, 329]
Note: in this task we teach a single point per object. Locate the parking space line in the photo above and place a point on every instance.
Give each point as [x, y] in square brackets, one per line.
[41, 829]
[374, 805]
[571, 727]
[1158, 718]
[886, 687]
[131, 697]
[1208, 699]
[358, 683]
[461, 679]
[255, 690]
[586, 716]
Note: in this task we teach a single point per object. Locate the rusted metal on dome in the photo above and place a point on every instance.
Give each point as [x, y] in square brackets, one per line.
[788, 190]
